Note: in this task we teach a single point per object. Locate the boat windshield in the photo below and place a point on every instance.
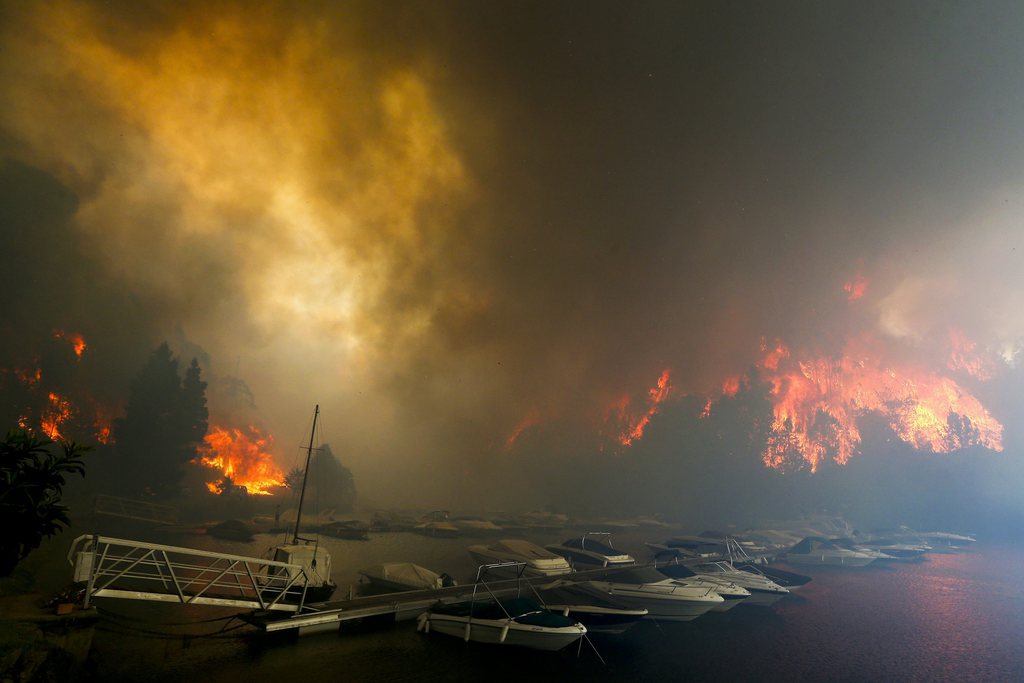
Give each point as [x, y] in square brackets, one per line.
[637, 575]
[584, 543]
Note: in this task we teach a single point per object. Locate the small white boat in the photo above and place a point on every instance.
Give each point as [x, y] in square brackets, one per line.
[732, 594]
[405, 576]
[763, 591]
[537, 560]
[514, 621]
[436, 524]
[663, 598]
[592, 550]
[817, 550]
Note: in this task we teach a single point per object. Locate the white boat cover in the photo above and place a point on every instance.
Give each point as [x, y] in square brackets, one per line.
[405, 573]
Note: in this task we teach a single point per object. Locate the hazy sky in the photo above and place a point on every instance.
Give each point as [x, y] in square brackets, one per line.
[446, 222]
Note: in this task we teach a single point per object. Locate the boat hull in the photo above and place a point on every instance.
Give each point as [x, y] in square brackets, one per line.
[665, 608]
[604, 620]
[491, 632]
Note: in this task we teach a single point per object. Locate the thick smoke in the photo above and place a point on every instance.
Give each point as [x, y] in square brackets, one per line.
[445, 221]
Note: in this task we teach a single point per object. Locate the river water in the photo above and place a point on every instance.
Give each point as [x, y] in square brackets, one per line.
[950, 617]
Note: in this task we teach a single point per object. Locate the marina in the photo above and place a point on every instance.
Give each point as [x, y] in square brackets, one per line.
[948, 614]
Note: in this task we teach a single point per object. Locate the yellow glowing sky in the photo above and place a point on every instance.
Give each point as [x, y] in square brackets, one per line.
[252, 150]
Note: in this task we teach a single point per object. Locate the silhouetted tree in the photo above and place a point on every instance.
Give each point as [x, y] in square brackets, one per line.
[165, 420]
[332, 482]
[193, 395]
[293, 479]
[32, 476]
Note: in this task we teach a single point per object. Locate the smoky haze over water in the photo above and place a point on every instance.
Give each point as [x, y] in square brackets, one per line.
[450, 221]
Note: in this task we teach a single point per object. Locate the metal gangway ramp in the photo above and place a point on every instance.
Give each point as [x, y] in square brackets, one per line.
[141, 510]
[134, 570]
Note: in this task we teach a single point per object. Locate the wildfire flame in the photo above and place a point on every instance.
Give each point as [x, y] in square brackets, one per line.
[817, 401]
[74, 338]
[531, 419]
[636, 424]
[856, 288]
[243, 457]
[964, 357]
[29, 377]
[56, 413]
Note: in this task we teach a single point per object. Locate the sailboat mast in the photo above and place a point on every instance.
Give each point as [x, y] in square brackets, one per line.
[305, 473]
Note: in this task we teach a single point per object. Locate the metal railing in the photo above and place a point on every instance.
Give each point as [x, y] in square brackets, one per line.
[134, 570]
[134, 509]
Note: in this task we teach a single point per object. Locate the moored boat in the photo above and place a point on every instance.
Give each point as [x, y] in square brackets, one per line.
[593, 608]
[514, 621]
[592, 550]
[763, 591]
[310, 557]
[537, 560]
[662, 597]
[817, 550]
[351, 529]
[405, 576]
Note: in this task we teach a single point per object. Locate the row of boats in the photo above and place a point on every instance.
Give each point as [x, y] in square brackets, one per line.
[583, 585]
[587, 585]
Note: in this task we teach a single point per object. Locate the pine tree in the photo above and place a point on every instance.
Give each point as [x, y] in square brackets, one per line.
[194, 411]
[165, 420]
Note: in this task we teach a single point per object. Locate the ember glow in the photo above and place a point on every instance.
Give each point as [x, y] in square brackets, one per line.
[54, 415]
[635, 424]
[242, 456]
[816, 402]
[531, 419]
[964, 356]
[76, 340]
[856, 288]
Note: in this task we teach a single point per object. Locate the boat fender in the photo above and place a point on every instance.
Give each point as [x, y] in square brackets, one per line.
[468, 627]
[565, 612]
[504, 632]
[423, 623]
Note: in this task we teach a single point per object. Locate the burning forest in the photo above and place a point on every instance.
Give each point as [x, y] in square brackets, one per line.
[482, 291]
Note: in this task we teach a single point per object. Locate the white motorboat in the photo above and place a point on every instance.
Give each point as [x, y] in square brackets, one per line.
[732, 594]
[514, 621]
[663, 598]
[901, 552]
[538, 561]
[763, 591]
[593, 608]
[436, 524]
[817, 550]
[405, 576]
[592, 550]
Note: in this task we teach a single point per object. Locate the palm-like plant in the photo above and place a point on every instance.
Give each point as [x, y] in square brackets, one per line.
[33, 473]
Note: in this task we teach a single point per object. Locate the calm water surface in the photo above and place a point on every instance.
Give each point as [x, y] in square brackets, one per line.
[951, 617]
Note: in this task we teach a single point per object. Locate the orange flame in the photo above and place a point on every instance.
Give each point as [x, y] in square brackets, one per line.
[74, 338]
[635, 425]
[531, 419]
[28, 377]
[817, 401]
[55, 414]
[964, 357]
[856, 288]
[242, 457]
[731, 386]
